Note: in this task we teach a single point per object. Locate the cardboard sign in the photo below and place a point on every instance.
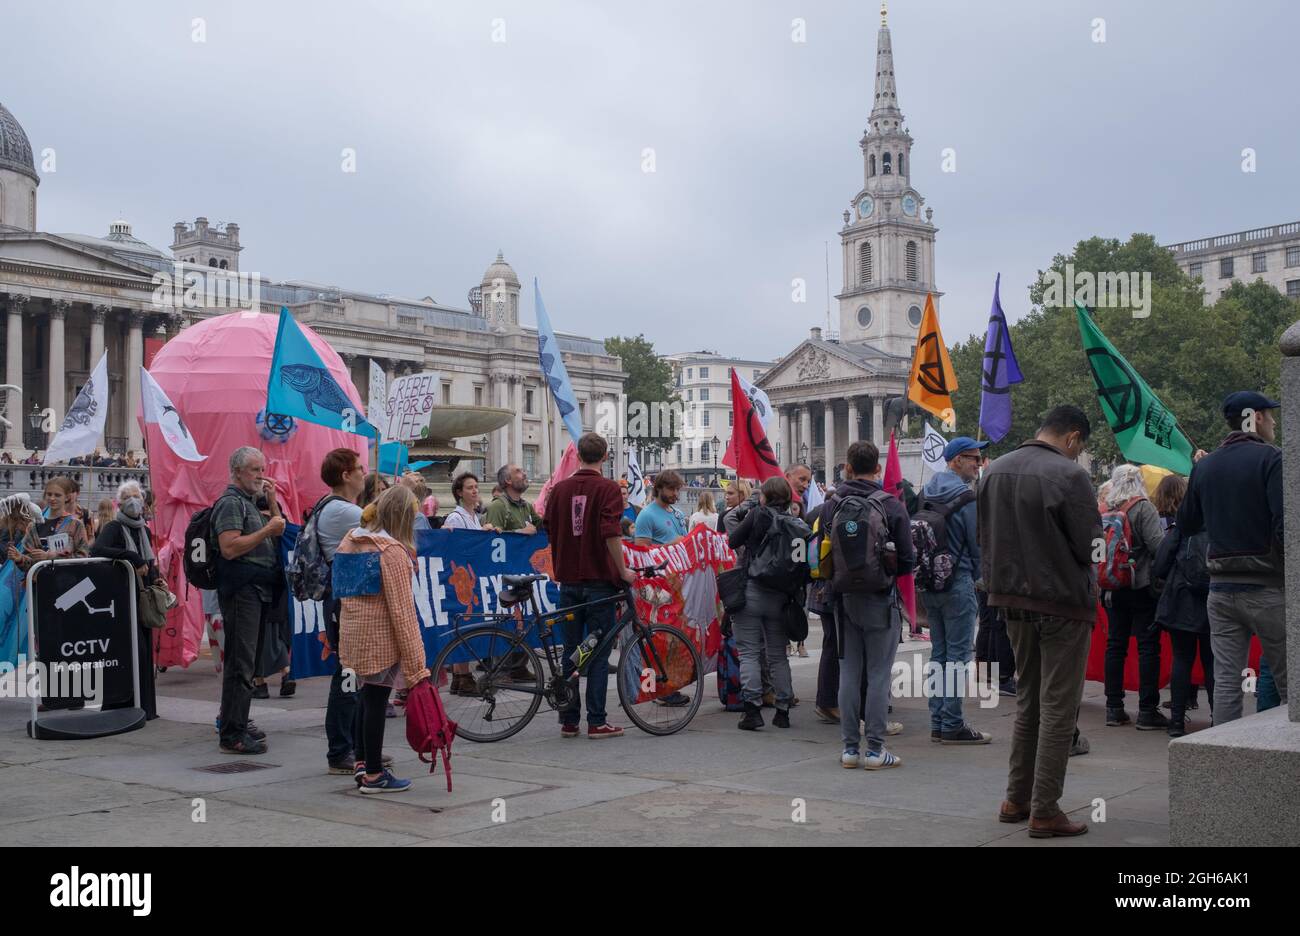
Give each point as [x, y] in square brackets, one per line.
[411, 400]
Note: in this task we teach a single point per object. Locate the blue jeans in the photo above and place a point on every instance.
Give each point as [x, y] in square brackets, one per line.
[588, 621]
[952, 616]
[1266, 694]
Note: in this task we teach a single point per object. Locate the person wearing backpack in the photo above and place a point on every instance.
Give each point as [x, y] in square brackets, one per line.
[332, 518]
[946, 576]
[871, 545]
[1234, 495]
[1180, 564]
[776, 566]
[248, 574]
[1038, 522]
[1132, 530]
[379, 631]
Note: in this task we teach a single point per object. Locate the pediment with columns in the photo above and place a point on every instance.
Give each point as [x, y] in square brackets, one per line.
[815, 362]
[57, 257]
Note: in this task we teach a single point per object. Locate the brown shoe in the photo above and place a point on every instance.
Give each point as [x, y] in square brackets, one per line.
[1058, 825]
[1010, 812]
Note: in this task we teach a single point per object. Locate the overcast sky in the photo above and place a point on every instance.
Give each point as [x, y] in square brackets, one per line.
[534, 145]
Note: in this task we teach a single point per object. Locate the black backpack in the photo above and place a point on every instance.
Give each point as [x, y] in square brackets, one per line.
[309, 570]
[201, 549]
[935, 562]
[863, 558]
[773, 563]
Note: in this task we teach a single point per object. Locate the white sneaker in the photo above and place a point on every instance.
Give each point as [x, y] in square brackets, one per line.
[893, 728]
[849, 759]
[880, 760]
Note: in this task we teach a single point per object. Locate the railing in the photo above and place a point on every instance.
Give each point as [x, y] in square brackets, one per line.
[94, 482]
[1227, 240]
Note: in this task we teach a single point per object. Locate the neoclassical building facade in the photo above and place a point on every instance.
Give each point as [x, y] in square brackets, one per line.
[832, 388]
[66, 298]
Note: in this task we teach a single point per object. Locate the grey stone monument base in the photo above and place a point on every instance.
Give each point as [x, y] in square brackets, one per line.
[1236, 784]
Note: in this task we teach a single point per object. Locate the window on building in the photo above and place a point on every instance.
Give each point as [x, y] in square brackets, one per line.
[582, 412]
[704, 419]
[731, 418]
[728, 393]
[530, 460]
[689, 373]
[900, 165]
[224, 265]
[679, 453]
[704, 373]
[212, 261]
[478, 396]
[864, 262]
[886, 164]
[690, 452]
[871, 162]
[1293, 289]
[529, 397]
[704, 394]
[446, 394]
[1225, 268]
[704, 452]
[688, 394]
[1259, 263]
[1194, 270]
[911, 261]
[1293, 256]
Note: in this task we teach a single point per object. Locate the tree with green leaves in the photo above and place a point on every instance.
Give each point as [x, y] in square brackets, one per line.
[1192, 355]
[649, 382]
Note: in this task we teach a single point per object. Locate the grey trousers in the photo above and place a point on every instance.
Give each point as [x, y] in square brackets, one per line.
[1234, 617]
[762, 622]
[1051, 659]
[869, 633]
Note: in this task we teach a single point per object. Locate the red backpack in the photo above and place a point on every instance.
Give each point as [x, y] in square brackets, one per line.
[428, 729]
[1115, 571]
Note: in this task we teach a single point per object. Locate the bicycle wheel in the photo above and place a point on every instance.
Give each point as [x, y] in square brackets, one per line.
[660, 680]
[507, 687]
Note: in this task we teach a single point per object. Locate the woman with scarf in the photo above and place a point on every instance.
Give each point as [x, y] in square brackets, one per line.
[127, 537]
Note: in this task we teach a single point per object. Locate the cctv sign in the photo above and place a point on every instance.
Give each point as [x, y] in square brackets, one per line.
[83, 617]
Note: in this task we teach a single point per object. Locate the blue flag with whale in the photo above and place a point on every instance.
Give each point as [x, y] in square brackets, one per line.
[301, 386]
[557, 377]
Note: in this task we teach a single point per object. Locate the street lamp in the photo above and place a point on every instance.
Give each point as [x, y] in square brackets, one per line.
[715, 441]
[34, 418]
[803, 454]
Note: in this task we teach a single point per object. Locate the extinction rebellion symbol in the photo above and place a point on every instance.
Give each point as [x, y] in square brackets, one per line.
[933, 448]
[1117, 388]
[930, 374]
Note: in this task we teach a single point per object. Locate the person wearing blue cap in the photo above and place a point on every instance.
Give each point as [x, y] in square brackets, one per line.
[948, 503]
[1235, 495]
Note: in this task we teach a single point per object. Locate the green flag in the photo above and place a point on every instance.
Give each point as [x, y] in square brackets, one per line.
[1145, 430]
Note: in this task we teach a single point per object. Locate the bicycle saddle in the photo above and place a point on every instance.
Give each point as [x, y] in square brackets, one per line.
[520, 581]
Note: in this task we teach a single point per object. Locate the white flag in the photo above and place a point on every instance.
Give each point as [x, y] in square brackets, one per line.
[377, 403]
[932, 449]
[762, 405]
[159, 411]
[635, 480]
[813, 497]
[83, 426]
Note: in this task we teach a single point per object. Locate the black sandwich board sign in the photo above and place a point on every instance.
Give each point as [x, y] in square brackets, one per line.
[82, 631]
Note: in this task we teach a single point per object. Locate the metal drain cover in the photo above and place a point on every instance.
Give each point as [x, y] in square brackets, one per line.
[230, 767]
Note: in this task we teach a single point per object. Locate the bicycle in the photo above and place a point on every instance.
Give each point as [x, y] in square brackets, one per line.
[659, 676]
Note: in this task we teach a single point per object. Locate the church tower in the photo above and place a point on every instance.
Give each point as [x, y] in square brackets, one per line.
[887, 240]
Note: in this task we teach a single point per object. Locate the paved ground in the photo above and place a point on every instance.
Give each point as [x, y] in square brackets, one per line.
[711, 784]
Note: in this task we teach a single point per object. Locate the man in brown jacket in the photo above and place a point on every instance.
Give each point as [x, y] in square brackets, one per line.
[1038, 522]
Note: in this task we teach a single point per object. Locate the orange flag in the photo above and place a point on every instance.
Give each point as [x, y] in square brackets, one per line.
[933, 379]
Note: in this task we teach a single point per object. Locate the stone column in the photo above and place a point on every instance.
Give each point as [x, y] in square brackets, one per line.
[805, 435]
[134, 359]
[878, 422]
[16, 411]
[97, 316]
[853, 431]
[791, 454]
[547, 440]
[517, 427]
[828, 415]
[57, 363]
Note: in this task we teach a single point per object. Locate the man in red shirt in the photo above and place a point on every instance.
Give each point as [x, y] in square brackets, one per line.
[582, 522]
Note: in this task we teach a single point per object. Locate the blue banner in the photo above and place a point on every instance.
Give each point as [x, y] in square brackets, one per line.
[458, 571]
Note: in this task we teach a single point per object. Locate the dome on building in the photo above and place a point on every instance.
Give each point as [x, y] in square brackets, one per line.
[502, 271]
[15, 149]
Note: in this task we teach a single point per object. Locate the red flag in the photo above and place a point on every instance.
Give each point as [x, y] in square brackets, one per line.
[749, 452]
[567, 466]
[893, 484]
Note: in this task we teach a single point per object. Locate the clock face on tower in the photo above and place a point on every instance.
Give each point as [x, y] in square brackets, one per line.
[865, 206]
[909, 205]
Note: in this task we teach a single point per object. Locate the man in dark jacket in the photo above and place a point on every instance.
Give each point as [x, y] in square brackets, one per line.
[1235, 494]
[868, 623]
[1038, 522]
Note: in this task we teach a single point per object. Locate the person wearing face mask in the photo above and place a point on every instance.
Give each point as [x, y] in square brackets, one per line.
[1038, 520]
[127, 537]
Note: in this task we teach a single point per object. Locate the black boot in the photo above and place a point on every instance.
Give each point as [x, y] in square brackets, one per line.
[781, 719]
[1177, 728]
[753, 719]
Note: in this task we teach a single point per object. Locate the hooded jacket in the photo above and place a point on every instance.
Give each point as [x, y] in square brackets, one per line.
[1235, 495]
[900, 526]
[962, 528]
[1038, 521]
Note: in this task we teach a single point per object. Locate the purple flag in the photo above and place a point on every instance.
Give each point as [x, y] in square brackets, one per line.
[1000, 372]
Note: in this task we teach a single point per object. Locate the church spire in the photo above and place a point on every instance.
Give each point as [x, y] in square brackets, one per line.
[885, 105]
